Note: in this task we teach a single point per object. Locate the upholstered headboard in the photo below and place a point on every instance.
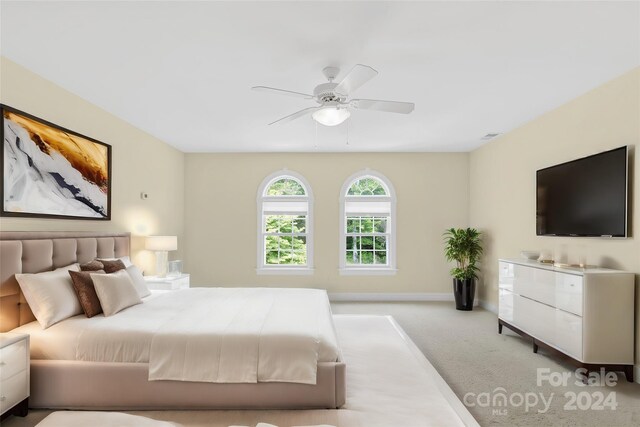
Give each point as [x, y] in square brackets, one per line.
[35, 252]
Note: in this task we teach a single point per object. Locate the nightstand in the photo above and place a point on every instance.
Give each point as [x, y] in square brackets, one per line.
[14, 374]
[169, 283]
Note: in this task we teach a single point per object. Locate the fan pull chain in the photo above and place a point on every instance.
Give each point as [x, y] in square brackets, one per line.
[315, 144]
[348, 128]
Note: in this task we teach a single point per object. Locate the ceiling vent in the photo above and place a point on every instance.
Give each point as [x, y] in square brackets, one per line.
[489, 136]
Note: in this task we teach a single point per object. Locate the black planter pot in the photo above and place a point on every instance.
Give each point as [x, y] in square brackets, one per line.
[464, 291]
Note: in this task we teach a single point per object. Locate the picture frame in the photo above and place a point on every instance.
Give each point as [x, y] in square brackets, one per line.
[53, 172]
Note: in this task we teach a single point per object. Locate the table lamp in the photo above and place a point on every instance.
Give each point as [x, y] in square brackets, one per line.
[161, 245]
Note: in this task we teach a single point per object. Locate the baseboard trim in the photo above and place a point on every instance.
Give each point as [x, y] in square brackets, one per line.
[379, 296]
[488, 306]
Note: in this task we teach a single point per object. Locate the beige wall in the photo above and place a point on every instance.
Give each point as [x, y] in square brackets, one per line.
[221, 226]
[502, 178]
[140, 163]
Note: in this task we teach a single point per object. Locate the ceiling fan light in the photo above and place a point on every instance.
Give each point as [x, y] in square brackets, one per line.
[331, 116]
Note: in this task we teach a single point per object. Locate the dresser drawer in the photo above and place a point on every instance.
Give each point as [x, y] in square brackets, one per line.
[568, 334]
[13, 359]
[505, 276]
[535, 283]
[505, 305]
[569, 293]
[534, 318]
[13, 390]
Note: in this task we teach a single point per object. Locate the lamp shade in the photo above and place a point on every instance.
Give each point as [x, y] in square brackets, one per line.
[161, 243]
[331, 116]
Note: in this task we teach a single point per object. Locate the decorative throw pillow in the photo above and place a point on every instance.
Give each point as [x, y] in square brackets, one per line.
[50, 295]
[83, 285]
[115, 291]
[126, 261]
[94, 265]
[138, 281]
[111, 265]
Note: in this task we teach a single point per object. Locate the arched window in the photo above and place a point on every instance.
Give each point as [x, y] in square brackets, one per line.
[285, 225]
[367, 225]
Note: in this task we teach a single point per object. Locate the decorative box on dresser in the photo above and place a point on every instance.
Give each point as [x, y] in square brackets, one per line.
[168, 283]
[586, 314]
[14, 374]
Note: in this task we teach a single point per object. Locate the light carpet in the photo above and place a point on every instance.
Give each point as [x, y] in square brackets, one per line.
[467, 351]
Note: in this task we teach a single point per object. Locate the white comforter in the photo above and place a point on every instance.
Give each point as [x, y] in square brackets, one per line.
[231, 335]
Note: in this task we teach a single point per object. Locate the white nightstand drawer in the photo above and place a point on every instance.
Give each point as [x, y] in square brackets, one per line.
[13, 390]
[167, 283]
[13, 359]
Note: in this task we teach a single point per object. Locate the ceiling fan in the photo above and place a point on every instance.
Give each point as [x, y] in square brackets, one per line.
[333, 98]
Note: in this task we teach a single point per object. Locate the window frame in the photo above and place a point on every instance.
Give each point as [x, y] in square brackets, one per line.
[283, 269]
[368, 269]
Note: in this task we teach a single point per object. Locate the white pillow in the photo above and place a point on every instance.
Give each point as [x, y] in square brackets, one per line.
[126, 261]
[50, 295]
[115, 291]
[138, 281]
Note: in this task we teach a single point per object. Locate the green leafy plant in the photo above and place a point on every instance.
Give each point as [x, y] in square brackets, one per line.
[464, 246]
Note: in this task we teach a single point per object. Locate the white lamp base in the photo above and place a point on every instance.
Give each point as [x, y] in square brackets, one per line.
[161, 263]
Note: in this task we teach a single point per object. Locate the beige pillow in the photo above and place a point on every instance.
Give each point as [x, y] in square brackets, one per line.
[138, 281]
[50, 295]
[115, 291]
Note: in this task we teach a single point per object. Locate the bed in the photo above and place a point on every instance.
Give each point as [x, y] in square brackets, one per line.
[104, 381]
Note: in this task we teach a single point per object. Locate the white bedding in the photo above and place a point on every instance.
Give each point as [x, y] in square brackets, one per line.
[204, 334]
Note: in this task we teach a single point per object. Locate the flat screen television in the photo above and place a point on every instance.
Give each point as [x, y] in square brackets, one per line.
[585, 197]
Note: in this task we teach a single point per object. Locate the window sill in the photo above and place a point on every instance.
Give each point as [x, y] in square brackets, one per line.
[283, 271]
[368, 271]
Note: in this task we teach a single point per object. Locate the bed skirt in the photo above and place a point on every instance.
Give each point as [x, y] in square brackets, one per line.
[65, 384]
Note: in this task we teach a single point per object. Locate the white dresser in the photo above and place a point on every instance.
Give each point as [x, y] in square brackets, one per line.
[14, 374]
[168, 283]
[586, 314]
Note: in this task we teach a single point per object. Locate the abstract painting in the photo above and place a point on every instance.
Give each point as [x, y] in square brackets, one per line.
[52, 172]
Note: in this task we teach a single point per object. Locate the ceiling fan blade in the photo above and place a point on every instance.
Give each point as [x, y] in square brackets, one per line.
[359, 75]
[296, 115]
[282, 92]
[389, 106]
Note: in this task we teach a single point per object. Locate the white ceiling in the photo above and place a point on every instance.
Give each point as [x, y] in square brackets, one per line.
[182, 71]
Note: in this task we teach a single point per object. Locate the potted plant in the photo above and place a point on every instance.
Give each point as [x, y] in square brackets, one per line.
[463, 245]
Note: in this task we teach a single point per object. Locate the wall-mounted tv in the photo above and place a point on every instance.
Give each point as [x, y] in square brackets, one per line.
[585, 197]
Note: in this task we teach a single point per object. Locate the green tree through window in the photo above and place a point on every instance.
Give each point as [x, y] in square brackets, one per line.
[366, 240]
[367, 237]
[285, 223]
[285, 239]
[367, 187]
[285, 187]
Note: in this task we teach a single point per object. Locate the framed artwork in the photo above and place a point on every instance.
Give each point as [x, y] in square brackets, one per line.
[52, 172]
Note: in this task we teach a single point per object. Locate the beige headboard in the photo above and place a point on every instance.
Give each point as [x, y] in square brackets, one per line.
[35, 252]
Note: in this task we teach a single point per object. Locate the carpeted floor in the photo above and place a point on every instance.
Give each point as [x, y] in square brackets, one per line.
[467, 351]
[469, 354]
